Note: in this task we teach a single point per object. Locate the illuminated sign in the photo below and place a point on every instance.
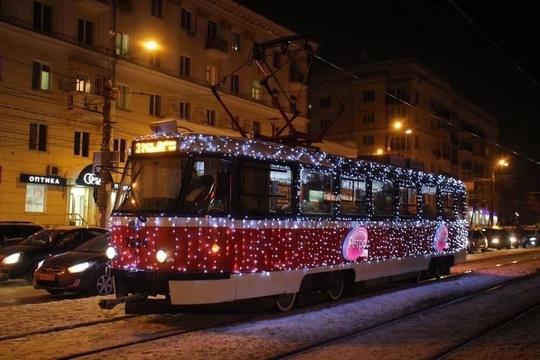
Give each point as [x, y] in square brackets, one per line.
[155, 146]
[42, 179]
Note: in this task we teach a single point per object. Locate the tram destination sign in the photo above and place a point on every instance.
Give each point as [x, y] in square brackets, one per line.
[154, 146]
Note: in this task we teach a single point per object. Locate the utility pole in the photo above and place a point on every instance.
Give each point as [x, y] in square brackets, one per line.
[108, 94]
[104, 172]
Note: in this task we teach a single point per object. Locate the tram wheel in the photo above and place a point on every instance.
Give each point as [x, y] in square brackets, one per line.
[285, 302]
[335, 284]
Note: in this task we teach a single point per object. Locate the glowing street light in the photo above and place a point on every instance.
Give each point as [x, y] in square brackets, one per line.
[397, 126]
[500, 163]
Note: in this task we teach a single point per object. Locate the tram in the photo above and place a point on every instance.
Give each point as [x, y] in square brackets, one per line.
[210, 218]
[202, 219]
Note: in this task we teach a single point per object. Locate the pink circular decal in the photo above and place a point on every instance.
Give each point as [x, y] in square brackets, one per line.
[440, 241]
[355, 244]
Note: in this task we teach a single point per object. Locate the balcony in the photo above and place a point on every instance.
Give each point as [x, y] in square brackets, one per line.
[94, 6]
[217, 48]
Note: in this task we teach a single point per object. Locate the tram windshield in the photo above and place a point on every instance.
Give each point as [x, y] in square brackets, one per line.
[151, 184]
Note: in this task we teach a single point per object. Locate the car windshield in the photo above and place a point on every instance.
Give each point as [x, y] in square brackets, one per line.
[96, 244]
[46, 237]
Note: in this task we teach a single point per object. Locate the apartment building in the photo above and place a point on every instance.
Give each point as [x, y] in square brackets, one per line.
[440, 130]
[61, 61]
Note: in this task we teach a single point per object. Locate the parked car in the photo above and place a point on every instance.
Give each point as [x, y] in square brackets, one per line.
[21, 260]
[81, 270]
[498, 238]
[13, 232]
[476, 241]
[530, 233]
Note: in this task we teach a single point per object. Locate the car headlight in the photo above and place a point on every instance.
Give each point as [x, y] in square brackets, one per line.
[13, 258]
[512, 239]
[79, 267]
[40, 263]
[110, 252]
[495, 241]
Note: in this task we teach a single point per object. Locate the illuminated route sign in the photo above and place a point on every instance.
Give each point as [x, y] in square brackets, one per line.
[155, 146]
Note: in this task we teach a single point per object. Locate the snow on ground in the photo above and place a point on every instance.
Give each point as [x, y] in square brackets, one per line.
[519, 341]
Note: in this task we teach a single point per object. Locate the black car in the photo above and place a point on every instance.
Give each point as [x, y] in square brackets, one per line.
[498, 238]
[21, 260]
[13, 232]
[530, 235]
[476, 241]
[81, 270]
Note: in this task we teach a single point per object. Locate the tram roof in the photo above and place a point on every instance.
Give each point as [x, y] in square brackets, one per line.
[198, 138]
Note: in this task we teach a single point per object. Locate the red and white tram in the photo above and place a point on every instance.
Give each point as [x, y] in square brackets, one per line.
[204, 219]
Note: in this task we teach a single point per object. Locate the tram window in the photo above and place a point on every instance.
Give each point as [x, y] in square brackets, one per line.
[265, 189]
[383, 194]
[353, 196]
[316, 192]
[407, 200]
[447, 204]
[147, 190]
[429, 202]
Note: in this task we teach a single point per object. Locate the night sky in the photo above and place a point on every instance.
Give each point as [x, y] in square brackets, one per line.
[488, 50]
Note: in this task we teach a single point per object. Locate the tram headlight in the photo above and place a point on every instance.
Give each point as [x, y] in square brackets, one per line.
[161, 256]
[215, 248]
[110, 252]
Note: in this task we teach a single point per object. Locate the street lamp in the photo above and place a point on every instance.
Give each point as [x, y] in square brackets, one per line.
[500, 163]
[397, 125]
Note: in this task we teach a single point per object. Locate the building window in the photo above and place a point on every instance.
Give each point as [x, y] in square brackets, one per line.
[42, 17]
[41, 76]
[325, 123]
[120, 146]
[256, 90]
[211, 74]
[155, 105]
[155, 59]
[235, 41]
[257, 127]
[123, 102]
[368, 118]
[275, 96]
[81, 144]
[121, 46]
[276, 60]
[211, 117]
[368, 140]
[397, 95]
[326, 102]
[294, 100]
[185, 66]
[185, 20]
[84, 84]
[157, 8]
[235, 83]
[38, 137]
[85, 32]
[212, 29]
[369, 96]
[35, 198]
[185, 110]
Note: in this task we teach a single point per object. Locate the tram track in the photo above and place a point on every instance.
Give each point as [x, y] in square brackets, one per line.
[440, 352]
[196, 330]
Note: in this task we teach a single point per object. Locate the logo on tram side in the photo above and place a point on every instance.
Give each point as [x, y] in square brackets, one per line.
[440, 240]
[355, 244]
[136, 242]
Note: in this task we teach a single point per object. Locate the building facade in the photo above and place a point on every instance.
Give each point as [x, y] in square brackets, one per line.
[61, 61]
[439, 130]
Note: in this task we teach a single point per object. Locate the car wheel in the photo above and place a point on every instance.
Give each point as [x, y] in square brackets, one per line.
[104, 285]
